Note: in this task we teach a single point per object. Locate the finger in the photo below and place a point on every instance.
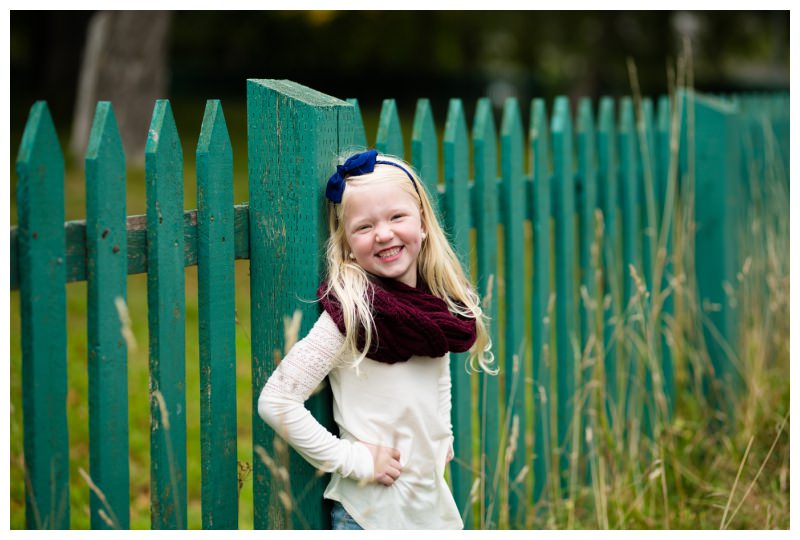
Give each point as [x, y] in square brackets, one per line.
[395, 453]
[386, 480]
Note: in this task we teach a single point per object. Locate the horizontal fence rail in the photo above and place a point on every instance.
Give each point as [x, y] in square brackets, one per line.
[564, 226]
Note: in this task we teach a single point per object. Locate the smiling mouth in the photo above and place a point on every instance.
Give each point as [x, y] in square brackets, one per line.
[388, 253]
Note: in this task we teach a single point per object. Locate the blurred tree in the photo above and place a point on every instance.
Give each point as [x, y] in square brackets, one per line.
[125, 61]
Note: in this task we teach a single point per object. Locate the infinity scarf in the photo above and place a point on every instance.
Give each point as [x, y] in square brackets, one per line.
[408, 321]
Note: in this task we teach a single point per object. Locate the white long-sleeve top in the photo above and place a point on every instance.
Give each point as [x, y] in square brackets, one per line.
[405, 405]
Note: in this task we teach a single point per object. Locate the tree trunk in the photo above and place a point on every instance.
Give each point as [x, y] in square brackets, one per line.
[124, 62]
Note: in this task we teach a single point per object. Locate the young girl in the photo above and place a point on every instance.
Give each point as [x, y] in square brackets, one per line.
[396, 301]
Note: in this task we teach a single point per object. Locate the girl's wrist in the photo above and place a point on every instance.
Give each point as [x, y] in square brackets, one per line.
[363, 468]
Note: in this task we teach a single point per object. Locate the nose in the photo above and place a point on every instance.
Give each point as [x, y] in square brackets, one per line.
[383, 233]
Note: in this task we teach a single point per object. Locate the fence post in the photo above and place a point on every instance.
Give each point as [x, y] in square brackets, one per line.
[42, 280]
[294, 136]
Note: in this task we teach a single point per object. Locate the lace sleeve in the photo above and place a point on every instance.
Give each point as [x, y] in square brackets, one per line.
[281, 404]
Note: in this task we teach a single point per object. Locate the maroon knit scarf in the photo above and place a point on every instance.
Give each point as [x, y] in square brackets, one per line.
[408, 321]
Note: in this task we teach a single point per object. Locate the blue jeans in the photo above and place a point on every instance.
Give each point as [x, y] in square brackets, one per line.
[342, 521]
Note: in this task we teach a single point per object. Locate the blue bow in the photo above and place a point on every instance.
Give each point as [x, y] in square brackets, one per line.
[356, 165]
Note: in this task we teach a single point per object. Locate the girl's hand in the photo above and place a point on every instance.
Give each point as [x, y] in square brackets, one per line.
[449, 455]
[387, 463]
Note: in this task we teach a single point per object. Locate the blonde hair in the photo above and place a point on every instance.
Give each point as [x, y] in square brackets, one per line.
[437, 263]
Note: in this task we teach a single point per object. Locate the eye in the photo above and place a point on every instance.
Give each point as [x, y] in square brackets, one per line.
[398, 216]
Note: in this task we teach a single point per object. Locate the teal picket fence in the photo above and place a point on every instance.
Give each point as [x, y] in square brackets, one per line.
[562, 227]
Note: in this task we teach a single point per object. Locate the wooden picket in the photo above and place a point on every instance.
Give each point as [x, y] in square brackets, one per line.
[543, 388]
[41, 237]
[567, 331]
[455, 153]
[166, 320]
[485, 209]
[512, 208]
[107, 284]
[599, 202]
[215, 269]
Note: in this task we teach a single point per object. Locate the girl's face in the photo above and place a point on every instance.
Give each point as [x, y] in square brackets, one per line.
[384, 230]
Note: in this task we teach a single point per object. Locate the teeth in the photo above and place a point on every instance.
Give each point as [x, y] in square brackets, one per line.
[389, 253]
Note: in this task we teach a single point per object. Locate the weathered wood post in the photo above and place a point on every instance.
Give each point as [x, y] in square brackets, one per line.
[294, 137]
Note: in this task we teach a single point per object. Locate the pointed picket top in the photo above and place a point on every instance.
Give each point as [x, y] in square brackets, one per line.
[104, 138]
[607, 123]
[214, 135]
[648, 125]
[648, 115]
[663, 114]
[484, 128]
[163, 142]
[484, 140]
[585, 121]
[456, 176]
[390, 136]
[539, 134]
[561, 127]
[627, 122]
[425, 147]
[455, 128]
[360, 137]
[511, 128]
[39, 140]
[562, 118]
